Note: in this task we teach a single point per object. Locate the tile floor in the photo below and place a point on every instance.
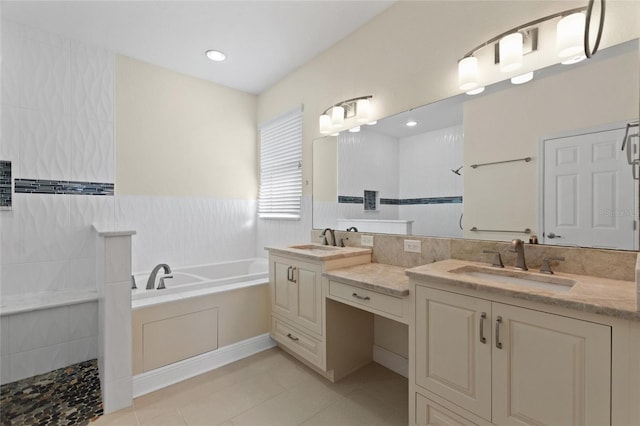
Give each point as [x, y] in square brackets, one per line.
[272, 388]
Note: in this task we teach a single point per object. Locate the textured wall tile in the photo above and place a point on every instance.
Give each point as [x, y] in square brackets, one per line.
[92, 151]
[9, 137]
[44, 145]
[38, 361]
[37, 329]
[83, 350]
[5, 373]
[21, 278]
[84, 212]
[45, 76]
[44, 224]
[82, 274]
[11, 245]
[83, 320]
[92, 72]
[12, 48]
[4, 336]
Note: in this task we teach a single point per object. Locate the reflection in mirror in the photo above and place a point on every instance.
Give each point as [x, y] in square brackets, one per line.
[425, 181]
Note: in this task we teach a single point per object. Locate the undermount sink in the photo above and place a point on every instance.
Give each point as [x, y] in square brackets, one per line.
[315, 247]
[520, 278]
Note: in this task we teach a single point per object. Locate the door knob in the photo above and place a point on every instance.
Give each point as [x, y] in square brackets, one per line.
[552, 235]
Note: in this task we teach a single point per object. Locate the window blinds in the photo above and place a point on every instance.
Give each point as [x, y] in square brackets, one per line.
[281, 167]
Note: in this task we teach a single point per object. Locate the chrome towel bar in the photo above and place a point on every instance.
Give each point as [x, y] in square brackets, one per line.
[526, 230]
[525, 159]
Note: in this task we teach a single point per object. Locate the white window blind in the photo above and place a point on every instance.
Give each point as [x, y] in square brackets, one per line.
[281, 167]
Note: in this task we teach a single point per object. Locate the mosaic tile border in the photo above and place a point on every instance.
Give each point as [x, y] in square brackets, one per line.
[343, 199]
[5, 185]
[41, 186]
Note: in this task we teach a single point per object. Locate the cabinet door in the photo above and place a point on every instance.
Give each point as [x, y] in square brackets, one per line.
[308, 296]
[283, 291]
[550, 369]
[453, 348]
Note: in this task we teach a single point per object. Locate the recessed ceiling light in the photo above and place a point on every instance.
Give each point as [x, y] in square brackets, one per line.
[216, 55]
[411, 123]
[476, 91]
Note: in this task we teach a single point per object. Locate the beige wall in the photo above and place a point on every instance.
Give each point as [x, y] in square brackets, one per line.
[407, 57]
[181, 136]
[509, 124]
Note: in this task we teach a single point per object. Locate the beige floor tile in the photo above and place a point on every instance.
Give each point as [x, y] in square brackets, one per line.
[357, 408]
[291, 407]
[225, 404]
[124, 417]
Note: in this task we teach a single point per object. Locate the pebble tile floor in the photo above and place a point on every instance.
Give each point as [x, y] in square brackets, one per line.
[68, 396]
[272, 388]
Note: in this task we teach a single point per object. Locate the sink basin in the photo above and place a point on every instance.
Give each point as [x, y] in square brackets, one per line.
[519, 278]
[315, 247]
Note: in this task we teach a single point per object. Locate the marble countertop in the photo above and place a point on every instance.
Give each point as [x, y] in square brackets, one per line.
[387, 279]
[318, 252]
[614, 298]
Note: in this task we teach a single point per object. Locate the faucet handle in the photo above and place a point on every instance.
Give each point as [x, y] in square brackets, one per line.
[161, 285]
[546, 267]
[497, 260]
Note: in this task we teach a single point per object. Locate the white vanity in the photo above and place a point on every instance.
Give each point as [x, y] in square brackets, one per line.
[486, 345]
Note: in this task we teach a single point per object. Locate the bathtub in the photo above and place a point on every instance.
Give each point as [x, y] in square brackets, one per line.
[201, 280]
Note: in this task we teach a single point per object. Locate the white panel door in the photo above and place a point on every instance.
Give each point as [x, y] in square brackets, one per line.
[589, 193]
[453, 348]
[549, 369]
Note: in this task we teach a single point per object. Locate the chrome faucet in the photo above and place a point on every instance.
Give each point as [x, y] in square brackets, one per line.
[333, 236]
[151, 282]
[352, 229]
[518, 249]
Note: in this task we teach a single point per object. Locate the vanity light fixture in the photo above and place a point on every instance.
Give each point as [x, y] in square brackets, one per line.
[216, 55]
[332, 120]
[572, 45]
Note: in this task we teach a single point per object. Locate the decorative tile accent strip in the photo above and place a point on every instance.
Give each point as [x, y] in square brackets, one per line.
[5, 185]
[67, 396]
[39, 186]
[343, 199]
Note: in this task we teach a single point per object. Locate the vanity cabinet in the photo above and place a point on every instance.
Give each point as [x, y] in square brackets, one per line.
[507, 364]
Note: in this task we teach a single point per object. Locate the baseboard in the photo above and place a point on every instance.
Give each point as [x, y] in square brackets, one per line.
[391, 360]
[164, 376]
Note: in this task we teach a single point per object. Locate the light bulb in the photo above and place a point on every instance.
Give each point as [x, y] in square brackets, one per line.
[337, 117]
[325, 124]
[476, 91]
[570, 35]
[511, 52]
[354, 129]
[363, 110]
[523, 78]
[468, 73]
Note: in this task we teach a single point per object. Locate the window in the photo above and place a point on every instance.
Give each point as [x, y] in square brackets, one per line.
[281, 167]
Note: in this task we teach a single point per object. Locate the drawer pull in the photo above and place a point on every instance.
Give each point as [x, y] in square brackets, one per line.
[295, 339]
[357, 296]
[498, 342]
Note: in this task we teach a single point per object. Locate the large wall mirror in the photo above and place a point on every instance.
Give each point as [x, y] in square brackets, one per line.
[542, 158]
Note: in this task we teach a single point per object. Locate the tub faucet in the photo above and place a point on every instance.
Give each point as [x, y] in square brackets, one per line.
[518, 249]
[333, 236]
[151, 282]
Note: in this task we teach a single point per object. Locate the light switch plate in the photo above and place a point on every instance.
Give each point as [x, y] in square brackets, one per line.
[412, 246]
[366, 240]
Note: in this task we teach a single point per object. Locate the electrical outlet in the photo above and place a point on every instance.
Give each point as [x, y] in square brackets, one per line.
[366, 240]
[412, 246]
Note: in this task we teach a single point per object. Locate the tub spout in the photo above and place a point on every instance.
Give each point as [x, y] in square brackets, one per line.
[151, 282]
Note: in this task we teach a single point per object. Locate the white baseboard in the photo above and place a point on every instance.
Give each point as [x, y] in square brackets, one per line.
[164, 376]
[391, 360]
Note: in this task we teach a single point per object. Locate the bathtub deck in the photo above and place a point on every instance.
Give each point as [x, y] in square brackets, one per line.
[68, 396]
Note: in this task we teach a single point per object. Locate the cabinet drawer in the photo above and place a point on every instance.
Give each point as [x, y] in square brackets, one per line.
[430, 413]
[382, 302]
[307, 347]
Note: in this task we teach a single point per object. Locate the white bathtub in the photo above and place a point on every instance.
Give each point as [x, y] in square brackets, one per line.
[200, 280]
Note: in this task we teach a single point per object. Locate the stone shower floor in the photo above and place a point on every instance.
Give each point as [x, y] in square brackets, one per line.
[67, 396]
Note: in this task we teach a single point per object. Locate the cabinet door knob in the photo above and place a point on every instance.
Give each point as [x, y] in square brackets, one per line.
[498, 342]
[483, 316]
[295, 339]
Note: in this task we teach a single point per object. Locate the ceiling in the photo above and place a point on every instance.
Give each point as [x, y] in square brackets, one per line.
[263, 40]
